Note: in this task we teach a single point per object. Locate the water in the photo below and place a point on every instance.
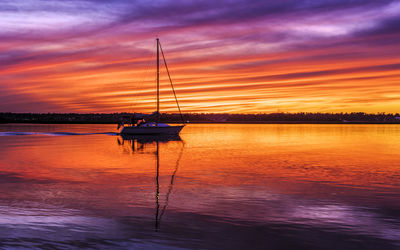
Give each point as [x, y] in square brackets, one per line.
[219, 187]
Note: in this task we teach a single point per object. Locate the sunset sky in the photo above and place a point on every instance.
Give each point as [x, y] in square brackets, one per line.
[224, 56]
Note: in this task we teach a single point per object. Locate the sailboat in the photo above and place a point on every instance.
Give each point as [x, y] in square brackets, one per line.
[139, 126]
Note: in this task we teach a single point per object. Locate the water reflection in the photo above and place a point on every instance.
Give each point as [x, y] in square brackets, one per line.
[226, 187]
[137, 143]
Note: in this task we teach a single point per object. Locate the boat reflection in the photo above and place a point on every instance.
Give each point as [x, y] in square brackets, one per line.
[137, 143]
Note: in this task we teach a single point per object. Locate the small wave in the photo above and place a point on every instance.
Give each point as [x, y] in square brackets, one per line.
[54, 133]
[16, 133]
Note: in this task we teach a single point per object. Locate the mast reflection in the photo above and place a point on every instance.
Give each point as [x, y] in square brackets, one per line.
[137, 144]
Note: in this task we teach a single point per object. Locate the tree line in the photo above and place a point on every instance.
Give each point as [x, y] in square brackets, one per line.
[301, 117]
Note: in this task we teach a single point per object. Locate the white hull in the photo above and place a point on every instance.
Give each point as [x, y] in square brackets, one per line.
[170, 130]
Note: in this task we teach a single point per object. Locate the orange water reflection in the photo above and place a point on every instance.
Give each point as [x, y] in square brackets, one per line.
[361, 156]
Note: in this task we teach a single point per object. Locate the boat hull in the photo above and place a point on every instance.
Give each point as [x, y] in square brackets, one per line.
[170, 130]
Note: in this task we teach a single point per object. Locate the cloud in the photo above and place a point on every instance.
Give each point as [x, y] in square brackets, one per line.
[82, 55]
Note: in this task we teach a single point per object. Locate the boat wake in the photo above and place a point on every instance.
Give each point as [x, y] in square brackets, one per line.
[54, 133]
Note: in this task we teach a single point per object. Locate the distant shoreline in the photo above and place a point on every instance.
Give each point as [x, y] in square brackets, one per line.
[266, 122]
[204, 118]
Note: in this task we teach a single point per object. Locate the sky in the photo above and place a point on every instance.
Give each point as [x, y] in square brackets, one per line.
[233, 56]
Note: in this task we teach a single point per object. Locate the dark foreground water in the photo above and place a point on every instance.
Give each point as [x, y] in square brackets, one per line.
[215, 187]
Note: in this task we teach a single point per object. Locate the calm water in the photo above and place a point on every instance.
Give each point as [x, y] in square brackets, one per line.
[219, 187]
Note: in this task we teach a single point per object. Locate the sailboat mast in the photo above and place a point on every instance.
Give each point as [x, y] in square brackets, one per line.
[158, 80]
